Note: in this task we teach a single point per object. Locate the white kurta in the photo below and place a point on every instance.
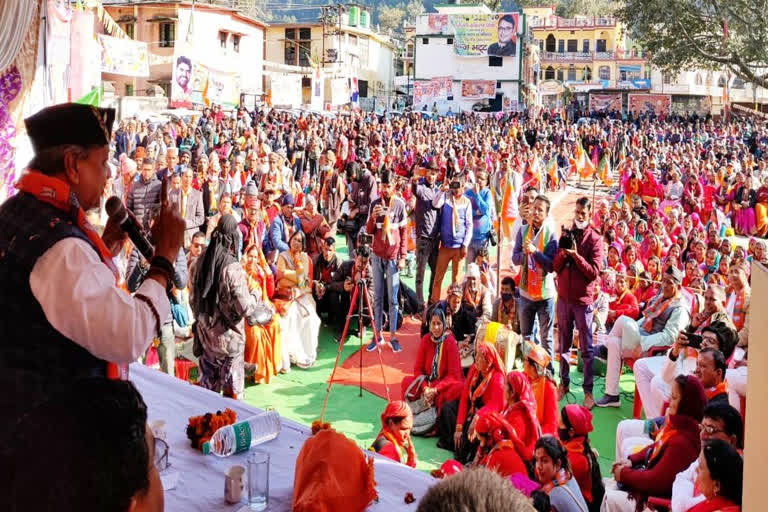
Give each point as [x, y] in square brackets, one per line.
[79, 297]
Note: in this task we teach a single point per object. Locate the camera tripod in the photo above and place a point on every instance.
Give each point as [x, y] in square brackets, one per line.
[362, 299]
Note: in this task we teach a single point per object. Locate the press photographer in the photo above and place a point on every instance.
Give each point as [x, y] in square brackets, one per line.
[578, 263]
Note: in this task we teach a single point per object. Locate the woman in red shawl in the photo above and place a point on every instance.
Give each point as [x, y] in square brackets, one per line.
[394, 439]
[439, 362]
[651, 471]
[483, 391]
[501, 449]
[535, 363]
[521, 411]
[575, 426]
[693, 193]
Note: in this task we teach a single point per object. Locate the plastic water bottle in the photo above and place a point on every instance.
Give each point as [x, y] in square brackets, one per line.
[244, 435]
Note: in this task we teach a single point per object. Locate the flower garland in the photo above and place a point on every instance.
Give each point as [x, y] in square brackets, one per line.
[201, 428]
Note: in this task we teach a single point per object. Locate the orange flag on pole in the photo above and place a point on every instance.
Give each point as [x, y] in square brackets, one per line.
[604, 171]
[552, 171]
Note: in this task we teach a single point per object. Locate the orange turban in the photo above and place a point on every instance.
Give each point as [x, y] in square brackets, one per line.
[332, 474]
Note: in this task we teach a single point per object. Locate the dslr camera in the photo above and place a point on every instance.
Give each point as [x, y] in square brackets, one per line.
[567, 239]
[364, 239]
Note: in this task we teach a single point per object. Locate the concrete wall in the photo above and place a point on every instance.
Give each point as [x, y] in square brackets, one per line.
[438, 58]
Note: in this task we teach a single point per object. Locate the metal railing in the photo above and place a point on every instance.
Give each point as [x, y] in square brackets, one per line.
[557, 22]
[590, 56]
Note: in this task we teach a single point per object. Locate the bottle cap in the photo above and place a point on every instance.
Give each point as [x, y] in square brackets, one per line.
[206, 448]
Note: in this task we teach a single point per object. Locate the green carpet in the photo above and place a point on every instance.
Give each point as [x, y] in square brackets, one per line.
[299, 396]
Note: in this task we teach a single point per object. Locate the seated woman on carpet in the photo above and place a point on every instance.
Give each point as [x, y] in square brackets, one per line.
[554, 473]
[520, 412]
[439, 362]
[263, 343]
[501, 449]
[719, 478]
[543, 385]
[652, 470]
[575, 426]
[394, 439]
[293, 299]
[483, 391]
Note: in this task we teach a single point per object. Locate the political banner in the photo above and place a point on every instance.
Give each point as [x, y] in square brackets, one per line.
[605, 102]
[478, 89]
[184, 80]
[222, 88]
[123, 56]
[422, 92]
[481, 35]
[340, 93]
[438, 23]
[444, 86]
[684, 105]
[650, 103]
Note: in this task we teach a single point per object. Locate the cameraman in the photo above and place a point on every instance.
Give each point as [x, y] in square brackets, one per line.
[578, 263]
[387, 223]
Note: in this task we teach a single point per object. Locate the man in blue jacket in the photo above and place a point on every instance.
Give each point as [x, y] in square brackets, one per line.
[455, 232]
[284, 225]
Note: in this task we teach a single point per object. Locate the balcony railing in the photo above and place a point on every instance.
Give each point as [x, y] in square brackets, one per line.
[572, 23]
[590, 56]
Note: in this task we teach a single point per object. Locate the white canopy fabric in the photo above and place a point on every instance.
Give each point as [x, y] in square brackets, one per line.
[14, 24]
[201, 477]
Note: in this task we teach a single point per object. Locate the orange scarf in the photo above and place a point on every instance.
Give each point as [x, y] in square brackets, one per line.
[55, 192]
[539, 387]
[479, 390]
[662, 437]
[655, 309]
[739, 311]
[411, 454]
[720, 389]
[387, 232]
[561, 479]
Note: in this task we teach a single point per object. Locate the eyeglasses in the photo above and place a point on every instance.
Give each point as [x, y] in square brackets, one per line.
[161, 455]
[710, 430]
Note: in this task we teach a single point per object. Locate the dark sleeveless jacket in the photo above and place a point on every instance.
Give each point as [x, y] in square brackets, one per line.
[35, 359]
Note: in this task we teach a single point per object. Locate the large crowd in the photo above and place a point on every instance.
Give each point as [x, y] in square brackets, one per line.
[647, 275]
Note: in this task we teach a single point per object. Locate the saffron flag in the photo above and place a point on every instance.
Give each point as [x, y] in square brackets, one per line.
[552, 171]
[604, 171]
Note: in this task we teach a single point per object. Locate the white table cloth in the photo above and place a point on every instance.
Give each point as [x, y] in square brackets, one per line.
[201, 477]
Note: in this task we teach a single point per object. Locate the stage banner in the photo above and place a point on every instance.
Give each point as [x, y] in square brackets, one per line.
[604, 102]
[478, 89]
[651, 103]
[421, 92]
[185, 78]
[444, 86]
[223, 88]
[123, 56]
[438, 24]
[481, 35]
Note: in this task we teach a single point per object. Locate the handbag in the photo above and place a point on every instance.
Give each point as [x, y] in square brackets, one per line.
[424, 415]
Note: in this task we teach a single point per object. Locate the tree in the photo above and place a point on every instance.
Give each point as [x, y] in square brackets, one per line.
[390, 18]
[413, 9]
[684, 34]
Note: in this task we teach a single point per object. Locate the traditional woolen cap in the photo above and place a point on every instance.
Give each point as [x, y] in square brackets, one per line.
[251, 189]
[675, 274]
[70, 123]
[287, 200]
[455, 289]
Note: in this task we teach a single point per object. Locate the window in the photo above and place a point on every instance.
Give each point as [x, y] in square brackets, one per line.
[305, 46]
[600, 45]
[167, 35]
[573, 45]
[424, 40]
[305, 34]
[666, 77]
[561, 46]
[352, 40]
[495, 61]
[541, 45]
[549, 73]
[721, 81]
[129, 89]
[585, 46]
[738, 83]
[560, 74]
[605, 72]
[236, 42]
[498, 84]
[587, 74]
[129, 29]
[449, 40]
[699, 81]
[223, 36]
[290, 53]
[551, 43]
[572, 73]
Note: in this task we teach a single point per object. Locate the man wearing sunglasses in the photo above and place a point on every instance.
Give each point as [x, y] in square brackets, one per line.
[104, 456]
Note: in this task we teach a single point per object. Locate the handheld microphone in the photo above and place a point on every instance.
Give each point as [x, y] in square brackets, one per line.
[118, 213]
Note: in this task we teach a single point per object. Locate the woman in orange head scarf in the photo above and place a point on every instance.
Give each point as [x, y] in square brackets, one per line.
[263, 343]
[483, 391]
[394, 439]
[501, 449]
[535, 363]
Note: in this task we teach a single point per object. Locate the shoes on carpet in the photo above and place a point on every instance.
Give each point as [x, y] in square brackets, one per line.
[609, 401]
[395, 345]
[601, 351]
[589, 401]
[371, 346]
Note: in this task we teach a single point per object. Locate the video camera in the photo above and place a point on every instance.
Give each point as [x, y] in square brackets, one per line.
[364, 239]
[567, 239]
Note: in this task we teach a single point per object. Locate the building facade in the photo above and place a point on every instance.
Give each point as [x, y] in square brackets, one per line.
[299, 53]
[435, 56]
[223, 38]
